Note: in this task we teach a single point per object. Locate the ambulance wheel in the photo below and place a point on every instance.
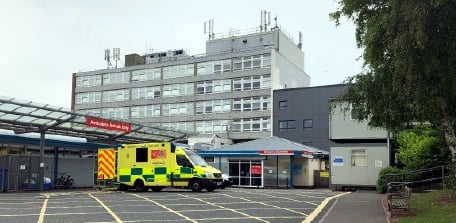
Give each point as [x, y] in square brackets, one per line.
[157, 189]
[139, 186]
[196, 185]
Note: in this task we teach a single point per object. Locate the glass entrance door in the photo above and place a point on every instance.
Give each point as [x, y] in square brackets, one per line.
[246, 173]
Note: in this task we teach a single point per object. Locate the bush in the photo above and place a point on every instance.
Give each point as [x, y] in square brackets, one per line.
[450, 181]
[381, 182]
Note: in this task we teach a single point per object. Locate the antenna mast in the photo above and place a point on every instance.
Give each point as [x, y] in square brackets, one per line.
[209, 29]
[265, 20]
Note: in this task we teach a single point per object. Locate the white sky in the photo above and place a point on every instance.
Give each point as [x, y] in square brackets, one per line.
[43, 42]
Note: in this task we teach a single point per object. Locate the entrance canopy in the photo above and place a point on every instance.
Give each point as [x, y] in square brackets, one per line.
[26, 116]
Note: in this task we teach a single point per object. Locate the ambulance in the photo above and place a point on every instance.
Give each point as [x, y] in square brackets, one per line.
[164, 164]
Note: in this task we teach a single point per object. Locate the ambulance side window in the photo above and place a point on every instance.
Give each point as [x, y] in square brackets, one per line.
[141, 154]
[183, 161]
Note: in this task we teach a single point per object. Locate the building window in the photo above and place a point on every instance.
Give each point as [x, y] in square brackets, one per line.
[252, 83]
[182, 126]
[116, 113]
[359, 157]
[88, 97]
[283, 104]
[215, 106]
[251, 125]
[211, 127]
[88, 81]
[209, 159]
[174, 90]
[252, 104]
[355, 113]
[287, 125]
[145, 93]
[307, 125]
[178, 109]
[116, 78]
[145, 75]
[146, 111]
[178, 71]
[116, 95]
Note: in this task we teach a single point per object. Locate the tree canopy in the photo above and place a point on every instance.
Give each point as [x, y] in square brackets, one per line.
[410, 62]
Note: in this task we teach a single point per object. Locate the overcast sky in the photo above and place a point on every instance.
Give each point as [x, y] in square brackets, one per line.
[43, 42]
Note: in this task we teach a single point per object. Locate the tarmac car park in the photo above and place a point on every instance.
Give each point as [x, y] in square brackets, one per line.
[169, 205]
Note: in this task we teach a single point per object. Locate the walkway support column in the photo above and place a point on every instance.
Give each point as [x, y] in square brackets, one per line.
[41, 161]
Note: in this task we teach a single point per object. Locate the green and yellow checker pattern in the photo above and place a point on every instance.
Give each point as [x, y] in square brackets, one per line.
[154, 175]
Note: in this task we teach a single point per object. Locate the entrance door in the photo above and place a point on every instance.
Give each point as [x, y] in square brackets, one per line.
[246, 173]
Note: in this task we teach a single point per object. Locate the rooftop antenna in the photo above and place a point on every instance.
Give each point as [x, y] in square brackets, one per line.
[276, 25]
[300, 40]
[108, 58]
[265, 20]
[209, 28]
[116, 54]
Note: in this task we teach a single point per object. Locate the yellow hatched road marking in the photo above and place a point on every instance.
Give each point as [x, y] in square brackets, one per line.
[167, 208]
[43, 209]
[107, 209]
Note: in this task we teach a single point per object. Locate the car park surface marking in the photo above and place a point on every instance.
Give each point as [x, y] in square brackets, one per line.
[225, 208]
[43, 209]
[106, 208]
[285, 198]
[320, 207]
[165, 207]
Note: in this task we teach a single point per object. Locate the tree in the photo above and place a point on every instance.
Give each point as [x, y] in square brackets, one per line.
[409, 63]
[422, 148]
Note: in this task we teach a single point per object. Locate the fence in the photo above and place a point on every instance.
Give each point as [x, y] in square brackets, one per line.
[20, 172]
[425, 178]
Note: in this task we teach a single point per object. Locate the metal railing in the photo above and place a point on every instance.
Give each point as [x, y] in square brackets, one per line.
[418, 178]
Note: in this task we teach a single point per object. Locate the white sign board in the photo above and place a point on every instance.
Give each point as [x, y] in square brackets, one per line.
[378, 163]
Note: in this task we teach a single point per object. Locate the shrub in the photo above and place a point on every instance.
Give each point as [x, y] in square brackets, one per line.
[381, 182]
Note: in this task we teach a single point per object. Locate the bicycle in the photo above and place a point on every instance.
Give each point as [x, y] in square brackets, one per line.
[65, 181]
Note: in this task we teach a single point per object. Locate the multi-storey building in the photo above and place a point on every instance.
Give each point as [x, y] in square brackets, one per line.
[227, 91]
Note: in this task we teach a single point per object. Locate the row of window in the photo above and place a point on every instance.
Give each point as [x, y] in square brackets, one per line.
[186, 70]
[175, 90]
[188, 108]
[290, 125]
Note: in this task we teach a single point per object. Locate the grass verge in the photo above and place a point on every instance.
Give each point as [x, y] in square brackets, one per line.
[435, 207]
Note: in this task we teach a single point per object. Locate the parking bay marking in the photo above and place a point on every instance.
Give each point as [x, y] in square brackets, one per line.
[167, 208]
[265, 204]
[230, 209]
[43, 209]
[118, 220]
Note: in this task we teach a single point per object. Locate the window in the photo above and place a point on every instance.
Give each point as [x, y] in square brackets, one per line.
[178, 71]
[116, 95]
[252, 83]
[88, 81]
[287, 125]
[355, 113]
[209, 159]
[174, 90]
[251, 125]
[115, 113]
[359, 157]
[283, 104]
[145, 93]
[88, 97]
[116, 78]
[141, 155]
[178, 109]
[252, 104]
[182, 126]
[308, 124]
[145, 75]
[181, 160]
[146, 111]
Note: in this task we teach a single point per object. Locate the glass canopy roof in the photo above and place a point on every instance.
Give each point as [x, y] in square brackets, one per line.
[26, 116]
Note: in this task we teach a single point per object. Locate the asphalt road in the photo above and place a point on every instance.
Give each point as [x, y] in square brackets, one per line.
[169, 205]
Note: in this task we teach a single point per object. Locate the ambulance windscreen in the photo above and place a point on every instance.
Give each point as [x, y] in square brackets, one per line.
[196, 159]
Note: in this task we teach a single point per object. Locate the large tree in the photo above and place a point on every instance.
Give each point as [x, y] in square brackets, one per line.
[409, 62]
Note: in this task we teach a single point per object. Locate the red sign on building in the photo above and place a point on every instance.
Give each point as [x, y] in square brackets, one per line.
[276, 152]
[108, 125]
[255, 169]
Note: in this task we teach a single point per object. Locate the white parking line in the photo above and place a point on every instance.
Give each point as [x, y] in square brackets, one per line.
[167, 208]
[225, 208]
[107, 209]
[43, 209]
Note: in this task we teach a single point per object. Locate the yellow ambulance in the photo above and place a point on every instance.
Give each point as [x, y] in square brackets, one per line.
[164, 164]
